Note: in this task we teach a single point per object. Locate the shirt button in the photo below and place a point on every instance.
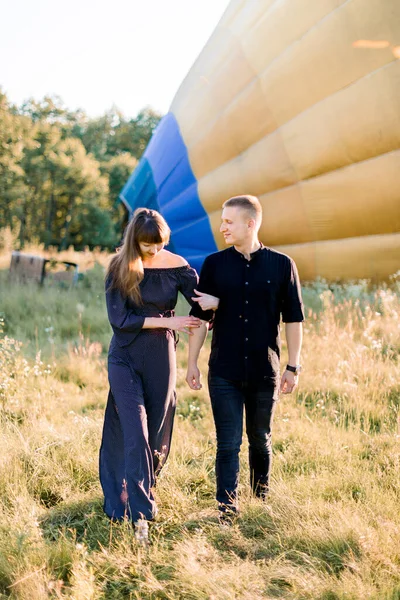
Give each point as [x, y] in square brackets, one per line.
[246, 357]
[240, 317]
[247, 283]
[247, 266]
[247, 339]
[246, 301]
[246, 320]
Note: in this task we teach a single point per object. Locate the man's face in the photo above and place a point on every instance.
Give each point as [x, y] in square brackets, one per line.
[236, 226]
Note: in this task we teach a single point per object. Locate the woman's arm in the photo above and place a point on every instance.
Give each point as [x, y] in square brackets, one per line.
[177, 323]
[122, 318]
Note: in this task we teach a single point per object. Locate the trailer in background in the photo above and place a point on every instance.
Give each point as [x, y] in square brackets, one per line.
[26, 268]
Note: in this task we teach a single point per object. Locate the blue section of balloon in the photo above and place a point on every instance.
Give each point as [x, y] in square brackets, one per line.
[140, 185]
[164, 181]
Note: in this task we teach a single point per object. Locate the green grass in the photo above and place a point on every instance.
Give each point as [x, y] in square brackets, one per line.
[331, 527]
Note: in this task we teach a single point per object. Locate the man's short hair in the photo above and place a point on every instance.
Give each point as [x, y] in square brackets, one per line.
[251, 204]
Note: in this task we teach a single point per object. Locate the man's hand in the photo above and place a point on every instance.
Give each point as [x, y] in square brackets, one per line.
[289, 382]
[193, 377]
[206, 301]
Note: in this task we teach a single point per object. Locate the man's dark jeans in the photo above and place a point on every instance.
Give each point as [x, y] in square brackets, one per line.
[228, 399]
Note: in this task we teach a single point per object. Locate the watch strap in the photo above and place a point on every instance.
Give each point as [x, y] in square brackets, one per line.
[296, 370]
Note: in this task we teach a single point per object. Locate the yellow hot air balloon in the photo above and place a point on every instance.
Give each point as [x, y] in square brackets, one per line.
[296, 102]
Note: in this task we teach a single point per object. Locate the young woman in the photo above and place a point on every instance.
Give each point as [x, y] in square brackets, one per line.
[142, 285]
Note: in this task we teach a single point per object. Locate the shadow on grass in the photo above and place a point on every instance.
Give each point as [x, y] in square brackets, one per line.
[82, 522]
[85, 522]
[257, 536]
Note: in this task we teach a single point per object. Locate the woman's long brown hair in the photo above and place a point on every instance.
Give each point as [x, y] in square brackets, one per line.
[126, 267]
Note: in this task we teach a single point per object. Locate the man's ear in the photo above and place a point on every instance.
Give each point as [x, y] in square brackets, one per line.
[251, 224]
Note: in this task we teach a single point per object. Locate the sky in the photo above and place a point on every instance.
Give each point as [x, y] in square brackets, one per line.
[96, 54]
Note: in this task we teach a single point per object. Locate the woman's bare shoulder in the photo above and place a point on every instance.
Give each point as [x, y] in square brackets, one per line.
[174, 260]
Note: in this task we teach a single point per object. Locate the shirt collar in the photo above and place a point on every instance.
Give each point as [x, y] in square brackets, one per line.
[252, 255]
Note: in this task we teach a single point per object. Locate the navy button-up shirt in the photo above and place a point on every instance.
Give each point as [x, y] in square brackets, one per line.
[254, 294]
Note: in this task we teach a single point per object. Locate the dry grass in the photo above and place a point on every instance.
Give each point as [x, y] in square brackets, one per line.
[85, 260]
[330, 530]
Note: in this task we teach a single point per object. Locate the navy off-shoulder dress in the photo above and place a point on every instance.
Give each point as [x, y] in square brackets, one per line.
[141, 402]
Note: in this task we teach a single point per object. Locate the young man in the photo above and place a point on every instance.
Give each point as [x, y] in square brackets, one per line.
[245, 289]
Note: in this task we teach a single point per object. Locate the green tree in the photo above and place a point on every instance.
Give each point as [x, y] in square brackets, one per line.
[78, 182]
[53, 111]
[118, 169]
[61, 172]
[92, 226]
[96, 133]
[38, 204]
[133, 136]
[111, 134]
[15, 137]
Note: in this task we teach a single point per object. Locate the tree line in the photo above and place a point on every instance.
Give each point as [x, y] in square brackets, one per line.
[61, 171]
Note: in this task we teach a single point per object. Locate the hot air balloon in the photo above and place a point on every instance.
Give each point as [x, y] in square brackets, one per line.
[296, 102]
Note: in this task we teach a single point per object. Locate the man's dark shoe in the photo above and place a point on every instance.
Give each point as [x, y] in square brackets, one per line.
[261, 491]
[227, 515]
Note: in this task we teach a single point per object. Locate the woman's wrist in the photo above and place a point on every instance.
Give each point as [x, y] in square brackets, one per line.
[156, 323]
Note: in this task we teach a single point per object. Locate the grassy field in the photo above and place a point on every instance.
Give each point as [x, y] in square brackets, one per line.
[331, 527]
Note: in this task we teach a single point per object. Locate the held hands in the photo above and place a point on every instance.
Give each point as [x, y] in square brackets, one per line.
[184, 324]
[206, 301]
[289, 382]
[193, 377]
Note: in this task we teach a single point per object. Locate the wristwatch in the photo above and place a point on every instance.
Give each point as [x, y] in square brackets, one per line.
[296, 370]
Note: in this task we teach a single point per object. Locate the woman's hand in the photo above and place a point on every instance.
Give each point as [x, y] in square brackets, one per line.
[206, 301]
[184, 324]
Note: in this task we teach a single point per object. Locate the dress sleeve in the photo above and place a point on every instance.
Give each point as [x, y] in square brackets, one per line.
[292, 304]
[206, 285]
[188, 281]
[123, 320]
